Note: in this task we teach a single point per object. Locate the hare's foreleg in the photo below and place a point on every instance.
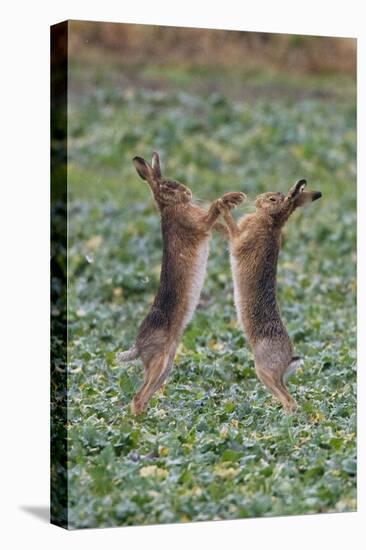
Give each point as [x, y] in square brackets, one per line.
[232, 226]
[210, 218]
[222, 229]
[229, 200]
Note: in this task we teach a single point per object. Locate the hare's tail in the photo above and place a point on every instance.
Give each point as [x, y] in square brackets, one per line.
[129, 355]
[296, 362]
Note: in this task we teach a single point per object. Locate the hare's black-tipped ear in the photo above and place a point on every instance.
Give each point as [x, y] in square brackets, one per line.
[296, 190]
[156, 165]
[143, 168]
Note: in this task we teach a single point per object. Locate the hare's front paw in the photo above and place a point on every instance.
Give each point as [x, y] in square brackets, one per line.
[232, 199]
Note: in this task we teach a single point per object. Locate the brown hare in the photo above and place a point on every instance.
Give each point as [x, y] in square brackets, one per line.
[185, 230]
[254, 247]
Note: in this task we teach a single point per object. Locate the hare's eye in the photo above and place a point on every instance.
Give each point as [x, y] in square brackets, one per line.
[169, 191]
[272, 199]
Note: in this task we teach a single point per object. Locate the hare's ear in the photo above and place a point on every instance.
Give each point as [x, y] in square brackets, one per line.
[296, 190]
[143, 169]
[155, 163]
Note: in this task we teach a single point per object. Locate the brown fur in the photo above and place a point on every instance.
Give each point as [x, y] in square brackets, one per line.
[185, 229]
[255, 243]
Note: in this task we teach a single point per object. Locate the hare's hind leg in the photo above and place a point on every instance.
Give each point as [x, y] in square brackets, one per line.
[156, 371]
[273, 380]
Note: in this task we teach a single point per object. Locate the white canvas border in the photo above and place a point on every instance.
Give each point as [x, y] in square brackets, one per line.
[25, 271]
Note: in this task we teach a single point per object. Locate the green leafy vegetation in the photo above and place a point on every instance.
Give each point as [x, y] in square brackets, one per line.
[213, 444]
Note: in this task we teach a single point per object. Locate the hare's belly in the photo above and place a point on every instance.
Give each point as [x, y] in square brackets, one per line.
[196, 279]
[236, 283]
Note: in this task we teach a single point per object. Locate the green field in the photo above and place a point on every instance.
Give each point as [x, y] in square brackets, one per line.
[213, 444]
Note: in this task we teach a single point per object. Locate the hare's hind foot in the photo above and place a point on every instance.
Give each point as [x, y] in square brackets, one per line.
[136, 407]
[284, 397]
[291, 406]
[156, 371]
[273, 380]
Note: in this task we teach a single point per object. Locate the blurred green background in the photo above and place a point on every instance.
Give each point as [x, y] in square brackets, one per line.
[226, 111]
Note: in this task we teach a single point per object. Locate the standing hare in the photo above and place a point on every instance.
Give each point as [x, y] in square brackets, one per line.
[185, 230]
[254, 246]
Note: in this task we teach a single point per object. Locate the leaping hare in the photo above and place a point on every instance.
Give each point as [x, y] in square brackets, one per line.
[254, 246]
[185, 230]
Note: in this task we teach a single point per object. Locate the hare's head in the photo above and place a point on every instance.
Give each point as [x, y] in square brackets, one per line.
[166, 192]
[272, 203]
[276, 204]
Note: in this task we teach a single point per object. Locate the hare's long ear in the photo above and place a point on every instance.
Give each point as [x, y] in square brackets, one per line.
[145, 171]
[295, 191]
[155, 163]
[143, 168]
